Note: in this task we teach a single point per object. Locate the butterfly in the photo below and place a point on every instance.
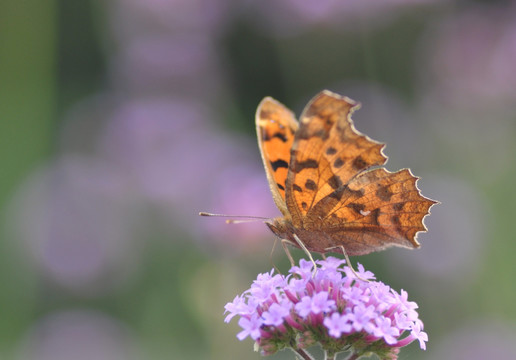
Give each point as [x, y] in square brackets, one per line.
[327, 180]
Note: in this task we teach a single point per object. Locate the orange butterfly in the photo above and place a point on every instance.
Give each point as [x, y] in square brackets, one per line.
[325, 179]
[321, 175]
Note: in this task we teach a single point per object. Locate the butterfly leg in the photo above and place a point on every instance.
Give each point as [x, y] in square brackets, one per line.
[348, 262]
[302, 246]
[285, 243]
[270, 256]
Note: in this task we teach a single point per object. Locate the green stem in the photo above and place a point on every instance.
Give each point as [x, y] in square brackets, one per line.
[353, 356]
[303, 354]
[328, 356]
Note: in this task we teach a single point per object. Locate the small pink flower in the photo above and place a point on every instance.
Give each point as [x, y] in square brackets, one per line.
[332, 306]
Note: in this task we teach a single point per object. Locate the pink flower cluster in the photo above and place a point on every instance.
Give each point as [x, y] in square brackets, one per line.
[331, 307]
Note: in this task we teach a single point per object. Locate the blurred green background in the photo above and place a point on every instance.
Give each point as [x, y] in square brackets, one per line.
[120, 120]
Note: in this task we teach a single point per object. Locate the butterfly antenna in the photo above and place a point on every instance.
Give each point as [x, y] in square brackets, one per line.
[202, 213]
[231, 221]
[244, 218]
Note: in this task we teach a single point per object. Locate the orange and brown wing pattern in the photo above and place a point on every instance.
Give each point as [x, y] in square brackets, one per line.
[327, 152]
[375, 210]
[275, 127]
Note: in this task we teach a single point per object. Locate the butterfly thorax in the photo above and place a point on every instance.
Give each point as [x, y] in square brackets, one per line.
[313, 240]
[281, 227]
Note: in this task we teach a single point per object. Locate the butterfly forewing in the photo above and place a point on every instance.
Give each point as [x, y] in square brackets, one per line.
[275, 127]
[327, 152]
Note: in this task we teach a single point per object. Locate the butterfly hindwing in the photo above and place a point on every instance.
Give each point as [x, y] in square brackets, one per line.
[376, 209]
[275, 127]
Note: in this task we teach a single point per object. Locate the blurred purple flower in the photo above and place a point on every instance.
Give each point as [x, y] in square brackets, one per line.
[78, 335]
[361, 316]
[164, 145]
[380, 321]
[276, 314]
[316, 304]
[77, 217]
[386, 117]
[179, 164]
[168, 46]
[304, 306]
[149, 125]
[165, 63]
[238, 190]
[385, 330]
[459, 226]
[203, 16]
[290, 17]
[250, 327]
[420, 335]
[337, 324]
[471, 57]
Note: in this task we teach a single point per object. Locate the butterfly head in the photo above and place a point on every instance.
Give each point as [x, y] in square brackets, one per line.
[281, 227]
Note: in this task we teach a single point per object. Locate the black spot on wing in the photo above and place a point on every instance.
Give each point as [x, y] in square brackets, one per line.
[310, 185]
[356, 207]
[281, 187]
[359, 163]
[278, 135]
[396, 221]
[384, 193]
[297, 188]
[298, 166]
[306, 133]
[335, 182]
[374, 216]
[279, 164]
[356, 193]
[338, 163]
[331, 151]
[398, 206]
[337, 194]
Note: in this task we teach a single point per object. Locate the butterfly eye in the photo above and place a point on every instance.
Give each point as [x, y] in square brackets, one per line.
[273, 228]
[277, 228]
